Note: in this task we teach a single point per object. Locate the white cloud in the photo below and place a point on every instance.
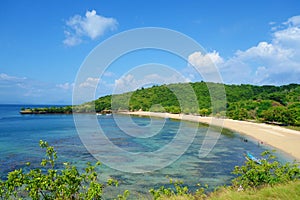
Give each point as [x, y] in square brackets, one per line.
[91, 26]
[264, 50]
[205, 63]
[90, 82]
[126, 83]
[14, 89]
[71, 40]
[274, 62]
[260, 74]
[6, 77]
[293, 21]
[65, 86]
[109, 74]
[288, 38]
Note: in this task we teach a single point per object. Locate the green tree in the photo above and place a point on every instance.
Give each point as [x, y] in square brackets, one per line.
[278, 114]
[268, 172]
[204, 112]
[48, 182]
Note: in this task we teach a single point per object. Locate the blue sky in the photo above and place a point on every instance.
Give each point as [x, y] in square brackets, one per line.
[43, 43]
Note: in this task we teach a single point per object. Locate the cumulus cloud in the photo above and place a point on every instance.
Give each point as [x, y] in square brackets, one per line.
[205, 63]
[244, 66]
[261, 74]
[273, 62]
[205, 66]
[91, 25]
[279, 58]
[293, 21]
[264, 50]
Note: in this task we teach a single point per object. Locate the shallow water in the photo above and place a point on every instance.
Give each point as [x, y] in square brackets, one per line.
[20, 135]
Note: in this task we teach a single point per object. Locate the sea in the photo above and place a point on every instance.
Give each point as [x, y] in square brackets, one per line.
[20, 136]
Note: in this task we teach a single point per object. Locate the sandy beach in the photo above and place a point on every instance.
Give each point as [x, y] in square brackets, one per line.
[278, 137]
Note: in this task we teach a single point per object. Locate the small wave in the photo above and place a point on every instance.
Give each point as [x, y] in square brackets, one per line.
[10, 118]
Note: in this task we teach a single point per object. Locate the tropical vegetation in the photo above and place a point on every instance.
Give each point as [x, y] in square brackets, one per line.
[48, 182]
[272, 104]
[253, 179]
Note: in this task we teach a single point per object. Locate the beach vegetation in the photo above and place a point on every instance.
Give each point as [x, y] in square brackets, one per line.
[48, 182]
[178, 190]
[278, 105]
[268, 172]
[263, 180]
[267, 179]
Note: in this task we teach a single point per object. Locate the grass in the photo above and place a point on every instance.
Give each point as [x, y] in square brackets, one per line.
[282, 191]
[290, 191]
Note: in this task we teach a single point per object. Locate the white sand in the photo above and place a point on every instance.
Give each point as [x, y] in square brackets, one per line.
[281, 138]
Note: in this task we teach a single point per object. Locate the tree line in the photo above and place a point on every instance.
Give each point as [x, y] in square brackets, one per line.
[273, 104]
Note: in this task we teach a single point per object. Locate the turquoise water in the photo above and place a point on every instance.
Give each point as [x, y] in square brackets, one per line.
[20, 135]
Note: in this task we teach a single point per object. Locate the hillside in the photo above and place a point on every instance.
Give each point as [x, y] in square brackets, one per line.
[276, 104]
[272, 104]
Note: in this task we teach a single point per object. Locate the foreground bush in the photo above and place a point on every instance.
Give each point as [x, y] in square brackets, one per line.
[268, 172]
[252, 178]
[50, 183]
[178, 191]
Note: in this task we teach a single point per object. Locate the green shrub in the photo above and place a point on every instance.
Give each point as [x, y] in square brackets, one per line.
[48, 182]
[178, 189]
[267, 172]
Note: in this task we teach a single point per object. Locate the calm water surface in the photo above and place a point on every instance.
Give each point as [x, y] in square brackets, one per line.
[20, 135]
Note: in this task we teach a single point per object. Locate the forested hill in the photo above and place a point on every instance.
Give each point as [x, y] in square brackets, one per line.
[279, 104]
[276, 104]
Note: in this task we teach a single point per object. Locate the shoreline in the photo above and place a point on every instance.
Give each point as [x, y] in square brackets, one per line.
[286, 140]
